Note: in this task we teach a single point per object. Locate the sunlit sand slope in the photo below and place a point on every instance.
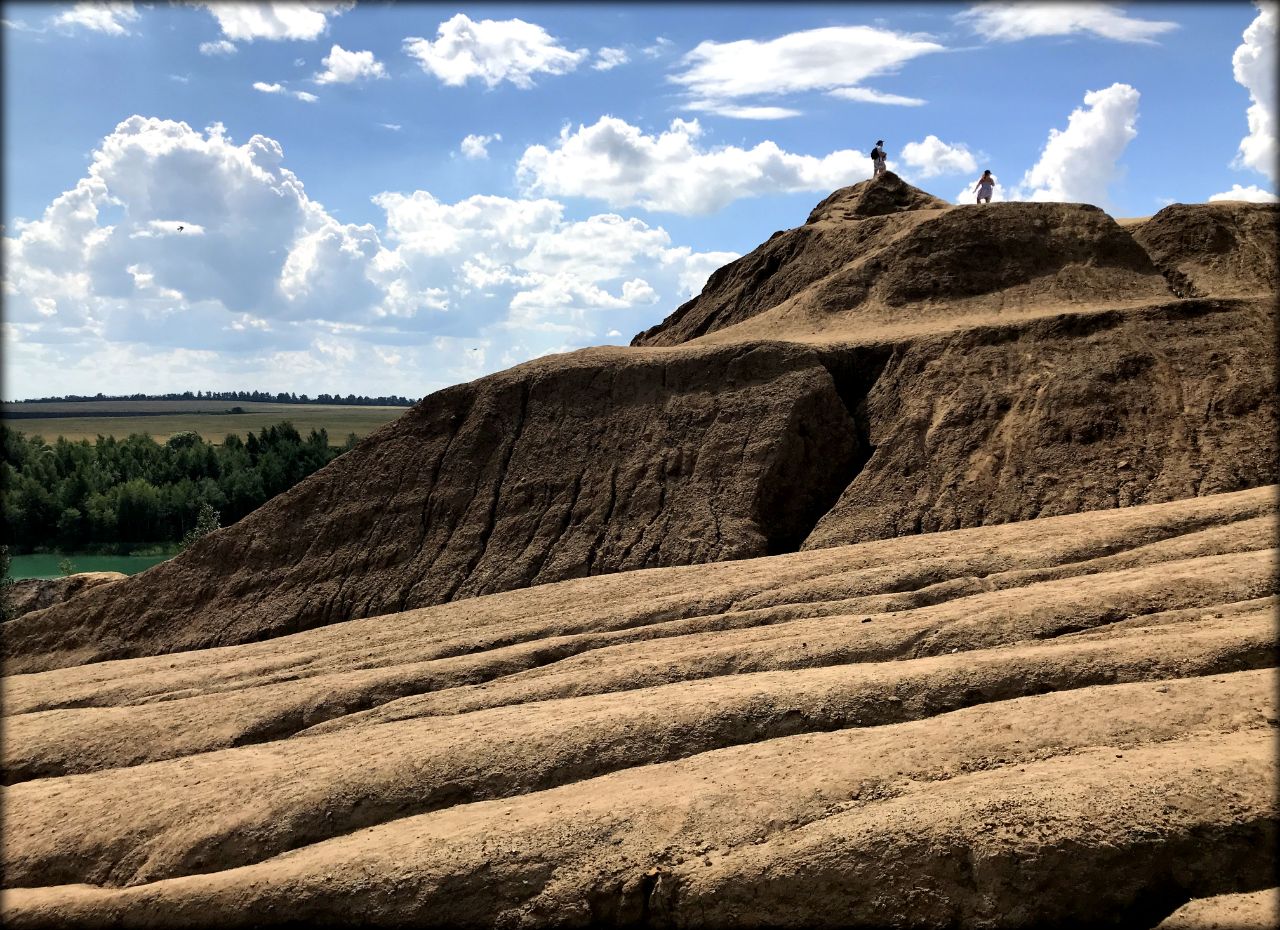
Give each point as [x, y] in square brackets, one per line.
[1064, 721]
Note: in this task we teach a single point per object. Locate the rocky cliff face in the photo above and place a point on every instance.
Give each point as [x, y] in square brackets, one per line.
[586, 464]
[1058, 415]
[894, 366]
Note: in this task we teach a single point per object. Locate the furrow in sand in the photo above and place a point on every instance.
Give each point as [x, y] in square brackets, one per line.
[131, 825]
[921, 824]
[980, 621]
[85, 739]
[1143, 830]
[644, 598]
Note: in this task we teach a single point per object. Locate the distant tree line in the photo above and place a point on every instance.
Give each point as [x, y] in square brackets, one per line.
[118, 495]
[265, 397]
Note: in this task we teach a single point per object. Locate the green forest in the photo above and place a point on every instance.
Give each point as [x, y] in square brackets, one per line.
[122, 495]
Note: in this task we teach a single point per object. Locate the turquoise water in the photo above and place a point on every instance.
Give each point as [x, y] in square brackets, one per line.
[45, 565]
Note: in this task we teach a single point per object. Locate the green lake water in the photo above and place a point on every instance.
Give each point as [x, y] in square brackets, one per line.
[45, 565]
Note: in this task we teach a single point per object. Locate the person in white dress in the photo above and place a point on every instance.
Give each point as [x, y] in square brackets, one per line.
[986, 184]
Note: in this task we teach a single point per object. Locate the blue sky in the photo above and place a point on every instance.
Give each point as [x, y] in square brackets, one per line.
[394, 198]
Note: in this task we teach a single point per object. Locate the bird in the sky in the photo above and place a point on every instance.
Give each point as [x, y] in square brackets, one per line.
[180, 228]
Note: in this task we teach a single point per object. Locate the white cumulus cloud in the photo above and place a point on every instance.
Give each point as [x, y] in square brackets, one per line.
[262, 285]
[1252, 193]
[108, 18]
[931, 157]
[609, 58]
[243, 215]
[344, 67]
[661, 46]
[477, 146]
[595, 264]
[618, 163]
[518, 265]
[220, 47]
[246, 22]
[1254, 66]
[268, 88]
[1078, 163]
[492, 51]
[1009, 22]
[826, 59]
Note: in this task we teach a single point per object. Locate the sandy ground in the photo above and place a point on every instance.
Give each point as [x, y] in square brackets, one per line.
[1227, 912]
[964, 727]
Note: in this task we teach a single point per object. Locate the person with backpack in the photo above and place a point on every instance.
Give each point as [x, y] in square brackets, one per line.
[878, 159]
[986, 184]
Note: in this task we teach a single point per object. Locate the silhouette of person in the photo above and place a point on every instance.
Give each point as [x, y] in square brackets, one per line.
[878, 158]
[986, 184]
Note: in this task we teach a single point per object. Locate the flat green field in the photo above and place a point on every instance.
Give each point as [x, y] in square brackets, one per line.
[213, 425]
[108, 407]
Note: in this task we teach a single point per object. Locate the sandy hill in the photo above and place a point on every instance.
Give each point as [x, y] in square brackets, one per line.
[919, 572]
[881, 259]
[895, 365]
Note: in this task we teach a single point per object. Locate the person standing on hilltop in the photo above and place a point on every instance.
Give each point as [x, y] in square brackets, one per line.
[878, 158]
[986, 184]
